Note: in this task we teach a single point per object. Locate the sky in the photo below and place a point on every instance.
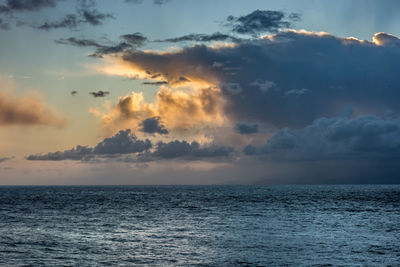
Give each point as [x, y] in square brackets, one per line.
[199, 92]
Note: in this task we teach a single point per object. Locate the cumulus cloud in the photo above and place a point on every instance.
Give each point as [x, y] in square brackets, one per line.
[185, 150]
[26, 110]
[287, 79]
[364, 137]
[126, 143]
[181, 111]
[123, 142]
[153, 125]
[99, 94]
[246, 128]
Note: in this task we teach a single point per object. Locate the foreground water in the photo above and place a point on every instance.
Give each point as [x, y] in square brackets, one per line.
[200, 225]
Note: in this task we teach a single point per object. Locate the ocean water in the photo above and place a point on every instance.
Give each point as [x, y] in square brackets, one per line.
[200, 226]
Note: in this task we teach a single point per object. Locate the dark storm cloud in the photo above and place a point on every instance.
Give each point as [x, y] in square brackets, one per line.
[123, 142]
[246, 128]
[26, 5]
[99, 94]
[126, 142]
[261, 21]
[365, 137]
[291, 78]
[184, 150]
[153, 125]
[202, 38]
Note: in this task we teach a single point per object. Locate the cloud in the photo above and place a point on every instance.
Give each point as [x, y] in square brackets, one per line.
[202, 38]
[78, 42]
[191, 151]
[131, 41]
[26, 5]
[157, 2]
[297, 92]
[261, 21]
[4, 25]
[246, 128]
[99, 94]
[26, 110]
[338, 138]
[287, 79]
[126, 142]
[123, 142]
[153, 125]
[3, 159]
[72, 21]
[181, 111]
[135, 39]
[155, 83]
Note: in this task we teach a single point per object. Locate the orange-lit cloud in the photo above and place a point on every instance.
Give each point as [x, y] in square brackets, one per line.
[27, 109]
[181, 111]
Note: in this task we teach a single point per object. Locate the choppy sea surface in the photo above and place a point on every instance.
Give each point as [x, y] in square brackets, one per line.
[345, 225]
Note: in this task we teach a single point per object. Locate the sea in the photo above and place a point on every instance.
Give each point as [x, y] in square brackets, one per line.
[296, 225]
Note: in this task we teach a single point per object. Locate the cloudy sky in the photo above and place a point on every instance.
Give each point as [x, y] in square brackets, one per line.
[199, 92]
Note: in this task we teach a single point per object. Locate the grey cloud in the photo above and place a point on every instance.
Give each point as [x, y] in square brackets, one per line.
[135, 39]
[132, 41]
[26, 5]
[126, 142]
[333, 72]
[202, 38]
[78, 42]
[4, 25]
[246, 128]
[3, 159]
[99, 94]
[297, 92]
[72, 21]
[157, 2]
[123, 142]
[338, 138]
[153, 125]
[192, 151]
[155, 83]
[261, 21]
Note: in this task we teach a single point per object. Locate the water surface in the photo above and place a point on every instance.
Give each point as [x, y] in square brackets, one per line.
[200, 225]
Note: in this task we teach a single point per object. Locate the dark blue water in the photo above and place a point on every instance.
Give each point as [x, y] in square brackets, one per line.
[200, 225]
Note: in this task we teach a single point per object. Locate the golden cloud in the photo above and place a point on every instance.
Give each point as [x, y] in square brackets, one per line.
[28, 109]
[181, 111]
